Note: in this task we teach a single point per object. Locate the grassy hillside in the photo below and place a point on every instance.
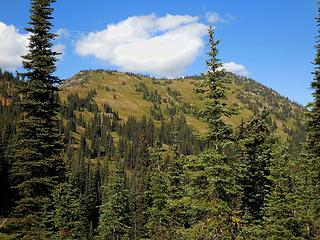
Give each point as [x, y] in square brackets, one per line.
[132, 94]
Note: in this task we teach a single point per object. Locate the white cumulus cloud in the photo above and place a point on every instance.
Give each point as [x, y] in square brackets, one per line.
[163, 46]
[214, 17]
[12, 46]
[63, 33]
[59, 48]
[235, 68]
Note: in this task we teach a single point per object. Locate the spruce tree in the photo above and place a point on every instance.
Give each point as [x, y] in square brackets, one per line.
[283, 210]
[311, 163]
[174, 174]
[140, 186]
[212, 195]
[174, 166]
[8, 118]
[114, 211]
[4, 190]
[256, 156]
[67, 220]
[91, 199]
[212, 186]
[159, 220]
[314, 113]
[213, 90]
[36, 165]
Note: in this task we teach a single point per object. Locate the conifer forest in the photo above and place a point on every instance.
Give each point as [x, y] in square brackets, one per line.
[115, 155]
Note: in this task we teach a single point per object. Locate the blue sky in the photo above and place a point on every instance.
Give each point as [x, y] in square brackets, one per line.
[269, 41]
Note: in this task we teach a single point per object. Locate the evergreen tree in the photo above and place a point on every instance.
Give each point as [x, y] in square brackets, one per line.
[213, 89]
[159, 220]
[91, 199]
[174, 172]
[114, 211]
[175, 138]
[212, 196]
[140, 187]
[36, 165]
[79, 166]
[212, 186]
[4, 187]
[311, 162]
[314, 113]
[256, 155]
[8, 118]
[68, 218]
[283, 211]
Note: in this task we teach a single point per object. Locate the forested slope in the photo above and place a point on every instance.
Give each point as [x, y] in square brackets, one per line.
[160, 99]
[110, 116]
[111, 155]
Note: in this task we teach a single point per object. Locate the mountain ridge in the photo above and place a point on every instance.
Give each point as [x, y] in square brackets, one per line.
[127, 92]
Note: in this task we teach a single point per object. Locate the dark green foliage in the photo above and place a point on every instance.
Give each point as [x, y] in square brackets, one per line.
[156, 112]
[213, 89]
[311, 162]
[114, 211]
[153, 97]
[257, 143]
[75, 103]
[256, 96]
[107, 108]
[187, 143]
[67, 218]
[314, 114]
[79, 166]
[36, 163]
[140, 186]
[8, 118]
[91, 198]
[159, 220]
[211, 199]
[283, 210]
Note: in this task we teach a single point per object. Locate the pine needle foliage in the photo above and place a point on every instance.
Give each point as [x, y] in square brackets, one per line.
[36, 165]
[213, 89]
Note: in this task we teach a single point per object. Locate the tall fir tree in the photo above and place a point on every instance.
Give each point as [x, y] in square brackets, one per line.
[212, 177]
[256, 155]
[314, 113]
[114, 211]
[174, 177]
[311, 162]
[91, 197]
[159, 220]
[213, 89]
[8, 118]
[67, 220]
[4, 188]
[283, 209]
[211, 198]
[36, 165]
[139, 191]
